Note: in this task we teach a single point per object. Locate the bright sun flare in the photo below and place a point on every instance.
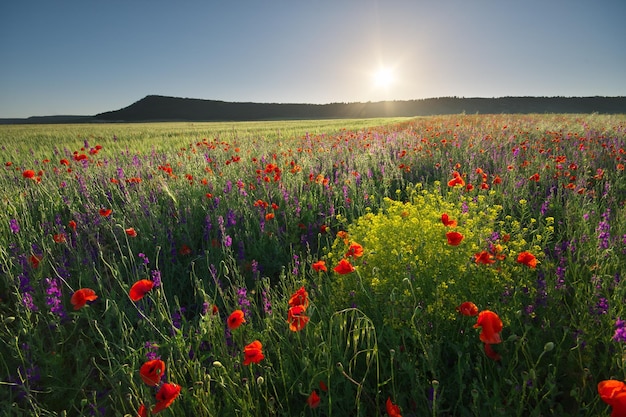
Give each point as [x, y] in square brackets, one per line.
[383, 78]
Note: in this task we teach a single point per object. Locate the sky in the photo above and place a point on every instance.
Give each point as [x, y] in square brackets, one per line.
[86, 57]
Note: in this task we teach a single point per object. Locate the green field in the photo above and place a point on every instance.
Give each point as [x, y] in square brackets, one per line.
[461, 265]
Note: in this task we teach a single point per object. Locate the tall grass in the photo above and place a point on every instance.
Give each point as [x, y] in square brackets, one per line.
[238, 216]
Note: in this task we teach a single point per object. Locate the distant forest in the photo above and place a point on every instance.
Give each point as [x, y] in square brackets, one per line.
[161, 108]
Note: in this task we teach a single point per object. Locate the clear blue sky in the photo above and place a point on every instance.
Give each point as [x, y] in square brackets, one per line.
[86, 57]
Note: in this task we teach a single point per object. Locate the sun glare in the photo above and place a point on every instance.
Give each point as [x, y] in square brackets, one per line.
[383, 78]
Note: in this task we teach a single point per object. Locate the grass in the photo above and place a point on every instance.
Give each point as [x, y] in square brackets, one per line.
[222, 217]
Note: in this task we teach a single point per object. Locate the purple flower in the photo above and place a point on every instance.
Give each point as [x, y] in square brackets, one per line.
[267, 304]
[27, 300]
[14, 226]
[156, 278]
[205, 308]
[152, 349]
[53, 299]
[144, 258]
[242, 298]
[602, 306]
[177, 317]
[620, 331]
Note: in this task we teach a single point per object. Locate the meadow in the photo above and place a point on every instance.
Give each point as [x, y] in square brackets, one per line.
[461, 265]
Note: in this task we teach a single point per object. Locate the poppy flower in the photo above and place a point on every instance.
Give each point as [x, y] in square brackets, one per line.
[468, 309]
[184, 250]
[299, 298]
[456, 180]
[320, 266]
[140, 288]
[492, 354]
[613, 393]
[29, 173]
[484, 257]
[143, 411]
[296, 318]
[253, 353]
[355, 250]
[152, 371]
[314, 400]
[34, 260]
[131, 232]
[534, 177]
[323, 386]
[72, 224]
[269, 216]
[454, 238]
[445, 219]
[80, 297]
[491, 326]
[235, 319]
[392, 409]
[59, 238]
[105, 212]
[165, 397]
[527, 259]
[344, 267]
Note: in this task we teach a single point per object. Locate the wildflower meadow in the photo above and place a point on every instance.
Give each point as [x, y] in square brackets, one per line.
[459, 265]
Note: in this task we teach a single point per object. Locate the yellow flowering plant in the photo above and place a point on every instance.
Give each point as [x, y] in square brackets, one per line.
[410, 262]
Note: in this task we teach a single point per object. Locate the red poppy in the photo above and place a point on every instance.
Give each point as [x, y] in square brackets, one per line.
[269, 216]
[534, 177]
[72, 224]
[140, 288]
[105, 212]
[296, 318]
[456, 180]
[131, 232]
[613, 393]
[392, 409]
[34, 260]
[59, 238]
[152, 371]
[323, 386]
[344, 267]
[299, 298]
[65, 162]
[491, 327]
[484, 257]
[235, 319]
[80, 297]
[320, 266]
[166, 396]
[468, 309]
[184, 250]
[314, 400]
[446, 220]
[253, 353]
[143, 411]
[454, 238]
[355, 250]
[29, 173]
[492, 354]
[527, 259]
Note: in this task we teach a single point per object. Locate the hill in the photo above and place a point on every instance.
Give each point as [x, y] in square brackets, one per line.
[161, 108]
[154, 107]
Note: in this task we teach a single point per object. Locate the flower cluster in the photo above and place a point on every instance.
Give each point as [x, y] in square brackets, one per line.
[296, 315]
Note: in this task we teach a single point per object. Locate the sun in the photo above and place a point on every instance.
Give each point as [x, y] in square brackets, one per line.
[383, 78]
